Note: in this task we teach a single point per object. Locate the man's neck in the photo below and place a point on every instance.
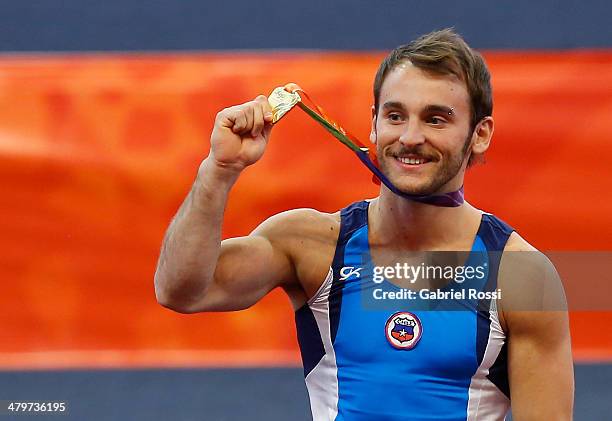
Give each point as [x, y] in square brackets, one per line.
[411, 225]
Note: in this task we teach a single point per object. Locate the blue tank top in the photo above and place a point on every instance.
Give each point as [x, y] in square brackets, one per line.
[402, 360]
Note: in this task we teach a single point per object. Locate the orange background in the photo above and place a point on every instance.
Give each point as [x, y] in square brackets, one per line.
[97, 152]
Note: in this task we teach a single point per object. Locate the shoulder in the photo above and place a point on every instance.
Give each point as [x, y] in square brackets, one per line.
[298, 223]
[301, 232]
[528, 282]
[518, 243]
[525, 268]
[521, 264]
[524, 262]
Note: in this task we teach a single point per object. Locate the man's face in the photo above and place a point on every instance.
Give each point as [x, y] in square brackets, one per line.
[422, 130]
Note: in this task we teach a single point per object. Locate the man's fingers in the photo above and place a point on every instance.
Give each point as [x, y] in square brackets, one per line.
[258, 119]
[262, 115]
[240, 120]
[266, 108]
[250, 118]
[249, 112]
[233, 118]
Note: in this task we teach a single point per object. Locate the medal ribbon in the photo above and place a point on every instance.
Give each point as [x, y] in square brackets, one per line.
[285, 98]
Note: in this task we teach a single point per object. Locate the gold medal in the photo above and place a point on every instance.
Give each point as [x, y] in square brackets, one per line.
[282, 101]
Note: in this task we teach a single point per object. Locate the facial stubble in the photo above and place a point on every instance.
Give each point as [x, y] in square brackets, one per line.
[451, 167]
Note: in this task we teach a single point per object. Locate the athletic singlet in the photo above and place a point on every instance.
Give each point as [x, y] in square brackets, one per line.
[392, 362]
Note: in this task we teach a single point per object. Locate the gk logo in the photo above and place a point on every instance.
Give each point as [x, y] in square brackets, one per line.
[348, 271]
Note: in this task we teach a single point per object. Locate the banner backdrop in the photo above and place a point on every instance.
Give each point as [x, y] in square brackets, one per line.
[97, 153]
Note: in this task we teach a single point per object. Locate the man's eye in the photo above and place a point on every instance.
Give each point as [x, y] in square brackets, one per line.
[394, 117]
[436, 120]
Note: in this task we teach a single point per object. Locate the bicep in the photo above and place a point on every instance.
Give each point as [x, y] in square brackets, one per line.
[247, 269]
[250, 267]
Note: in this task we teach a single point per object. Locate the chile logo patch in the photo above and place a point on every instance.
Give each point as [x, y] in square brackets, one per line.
[403, 330]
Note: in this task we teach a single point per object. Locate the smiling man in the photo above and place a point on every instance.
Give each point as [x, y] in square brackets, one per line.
[403, 360]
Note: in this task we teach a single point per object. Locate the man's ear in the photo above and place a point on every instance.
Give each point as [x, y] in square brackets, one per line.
[373, 128]
[481, 138]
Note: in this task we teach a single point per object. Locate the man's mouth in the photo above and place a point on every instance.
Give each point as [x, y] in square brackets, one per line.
[412, 159]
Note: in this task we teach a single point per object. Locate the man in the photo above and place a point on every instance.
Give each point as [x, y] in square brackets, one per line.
[431, 118]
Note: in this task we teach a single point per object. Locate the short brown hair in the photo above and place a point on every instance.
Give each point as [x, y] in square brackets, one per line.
[444, 52]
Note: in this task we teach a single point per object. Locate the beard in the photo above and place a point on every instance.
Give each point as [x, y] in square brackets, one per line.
[451, 165]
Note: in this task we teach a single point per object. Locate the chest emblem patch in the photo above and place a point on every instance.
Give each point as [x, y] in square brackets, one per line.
[403, 330]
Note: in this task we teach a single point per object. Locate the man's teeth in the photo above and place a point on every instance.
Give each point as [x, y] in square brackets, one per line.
[412, 161]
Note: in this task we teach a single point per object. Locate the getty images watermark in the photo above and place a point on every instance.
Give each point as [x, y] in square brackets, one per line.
[390, 282]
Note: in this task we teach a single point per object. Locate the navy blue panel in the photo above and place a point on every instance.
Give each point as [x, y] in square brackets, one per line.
[77, 25]
[352, 218]
[483, 325]
[309, 338]
[498, 373]
[494, 233]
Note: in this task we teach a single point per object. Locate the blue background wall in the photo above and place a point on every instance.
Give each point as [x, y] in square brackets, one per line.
[74, 25]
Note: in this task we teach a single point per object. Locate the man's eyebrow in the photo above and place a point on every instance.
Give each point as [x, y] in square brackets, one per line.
[441, 109]
[393, 105]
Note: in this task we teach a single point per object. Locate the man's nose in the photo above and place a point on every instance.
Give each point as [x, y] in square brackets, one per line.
[412, 135]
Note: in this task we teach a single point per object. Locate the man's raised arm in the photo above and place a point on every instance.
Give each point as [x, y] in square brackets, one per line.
[196, 271]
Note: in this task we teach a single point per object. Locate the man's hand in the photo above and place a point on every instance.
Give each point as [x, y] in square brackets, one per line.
[240, 134]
